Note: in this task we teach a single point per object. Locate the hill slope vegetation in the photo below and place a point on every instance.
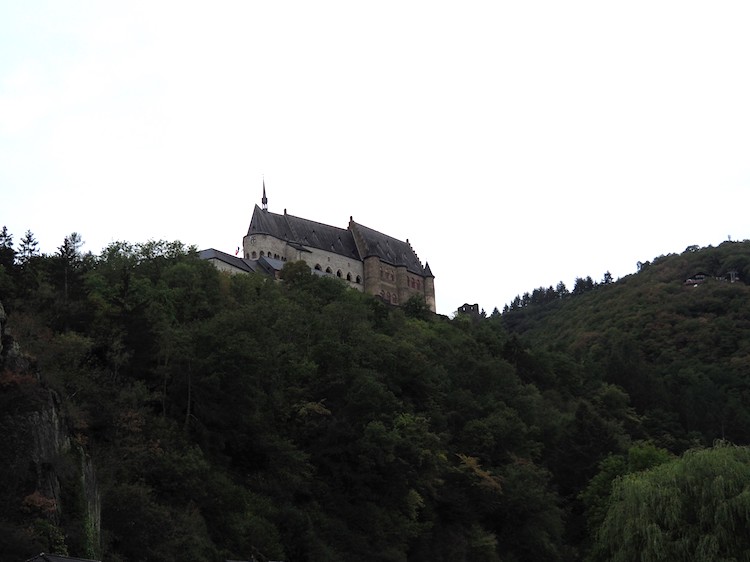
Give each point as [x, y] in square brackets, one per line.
[232, 417]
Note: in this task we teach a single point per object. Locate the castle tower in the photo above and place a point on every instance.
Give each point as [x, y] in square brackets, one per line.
[429, 288]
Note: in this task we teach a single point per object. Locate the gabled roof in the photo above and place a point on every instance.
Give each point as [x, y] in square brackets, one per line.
[270, 265]
[391, 250]
[247, 266]
[304, 232]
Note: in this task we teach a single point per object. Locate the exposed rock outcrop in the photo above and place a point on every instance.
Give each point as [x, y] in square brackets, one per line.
[40, 460]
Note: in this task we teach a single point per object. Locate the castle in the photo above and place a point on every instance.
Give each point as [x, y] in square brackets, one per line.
[365, 259]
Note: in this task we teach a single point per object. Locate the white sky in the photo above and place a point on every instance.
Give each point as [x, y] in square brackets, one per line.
[515, 144]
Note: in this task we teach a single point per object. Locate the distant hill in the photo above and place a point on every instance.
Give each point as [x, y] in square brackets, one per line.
[675, 336]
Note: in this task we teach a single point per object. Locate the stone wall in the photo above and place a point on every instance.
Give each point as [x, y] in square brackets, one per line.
[394, 285]
[317, 259]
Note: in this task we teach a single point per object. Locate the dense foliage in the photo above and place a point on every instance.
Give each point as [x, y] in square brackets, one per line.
[237, 417]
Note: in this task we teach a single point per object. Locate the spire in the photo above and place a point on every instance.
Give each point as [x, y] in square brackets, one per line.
[265, 199]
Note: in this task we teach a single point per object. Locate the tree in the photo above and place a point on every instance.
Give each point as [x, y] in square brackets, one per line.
[70, 258]
[28, 248]
[295, 272]
[693, 508]
[583, 285]
[7, 253]
[596, 496]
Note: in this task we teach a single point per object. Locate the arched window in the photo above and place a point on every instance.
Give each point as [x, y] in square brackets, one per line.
[262, 254]
[255, 255]
[359, 279]
[349, 277]
[317, 266]
[329, 270]
[276, 256]
[338, 273]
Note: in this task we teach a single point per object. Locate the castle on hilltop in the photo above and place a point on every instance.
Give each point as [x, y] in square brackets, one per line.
[365, 259]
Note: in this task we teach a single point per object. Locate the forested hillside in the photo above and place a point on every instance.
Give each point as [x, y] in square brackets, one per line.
[234, 417]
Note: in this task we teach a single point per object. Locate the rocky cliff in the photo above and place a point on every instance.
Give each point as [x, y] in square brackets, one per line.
[49, 499]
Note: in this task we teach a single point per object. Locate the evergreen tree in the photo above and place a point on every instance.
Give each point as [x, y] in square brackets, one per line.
[7, 253]
[28, 248]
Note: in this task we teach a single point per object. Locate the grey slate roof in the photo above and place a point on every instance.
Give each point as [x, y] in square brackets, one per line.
[357, 242]
[389, 249]
[270, 265]
[304, 232]
[248, 266]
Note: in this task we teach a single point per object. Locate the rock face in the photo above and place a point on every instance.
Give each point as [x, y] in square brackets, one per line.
[3, 318]
[45, 477]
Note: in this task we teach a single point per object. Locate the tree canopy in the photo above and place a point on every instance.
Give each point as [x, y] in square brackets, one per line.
[692, 508]
[237, 416]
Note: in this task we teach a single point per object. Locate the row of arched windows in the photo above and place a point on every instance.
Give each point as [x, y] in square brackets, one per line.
[414, 282]
[254, 255]
[340, 274]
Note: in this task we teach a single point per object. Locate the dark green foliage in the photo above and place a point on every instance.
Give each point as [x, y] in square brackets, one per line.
[691, 508]
[232, 417]
[7, 252]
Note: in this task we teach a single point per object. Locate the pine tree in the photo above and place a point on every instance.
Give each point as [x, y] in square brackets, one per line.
[28, 248]
[7, 253]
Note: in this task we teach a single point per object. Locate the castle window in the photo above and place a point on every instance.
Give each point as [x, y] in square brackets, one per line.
[276, 256]
[262, 254]
[338, 273]
[329, 270]
[255, 255]
[317, 266]
[348, 276]
[359, 279]
[395, 298]
[419, 284]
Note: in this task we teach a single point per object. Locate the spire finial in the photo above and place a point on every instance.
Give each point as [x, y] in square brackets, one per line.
[265, 199]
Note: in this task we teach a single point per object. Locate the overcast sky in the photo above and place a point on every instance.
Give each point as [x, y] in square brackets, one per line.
[515, 144]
